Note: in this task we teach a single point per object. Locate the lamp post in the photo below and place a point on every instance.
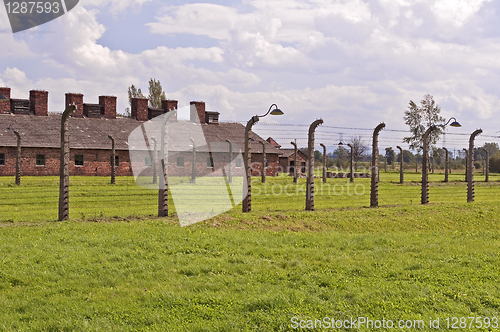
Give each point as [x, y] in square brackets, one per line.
[470, 173]
[487, 166]
[64, 165]
[18, 155]
[401, 170]
[425, 159]
[263, 175]
[324, 162]
[229, 171]
[351, 177]
[446, 165]
[374, 175]
[294, 162]
[247, 192]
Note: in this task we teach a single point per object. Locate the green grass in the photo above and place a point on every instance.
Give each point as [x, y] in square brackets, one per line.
[245, 272]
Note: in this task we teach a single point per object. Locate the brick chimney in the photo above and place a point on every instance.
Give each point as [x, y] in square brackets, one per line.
[5, 105]
[169, 105]
[39, 102]
[140, 109]
[108, 106]
[77, 99]
[197, 111]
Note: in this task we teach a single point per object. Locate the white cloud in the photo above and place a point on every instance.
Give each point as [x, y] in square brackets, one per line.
[457, 11]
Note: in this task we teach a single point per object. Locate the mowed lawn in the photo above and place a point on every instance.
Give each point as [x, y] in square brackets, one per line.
[116, 267]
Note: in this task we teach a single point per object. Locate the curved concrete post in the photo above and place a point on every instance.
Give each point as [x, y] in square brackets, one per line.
[351, 164]
[446, 165]
[64, 165]
[470, 174]
[294, 162]
[401, 170]
[163, 183]
[230, 165]
[487, 166]
[193, 162]
[310, 166]
[466, 164]
[155, 161]
[374, 170]
[247, 192]
[425, 166]
[18, 158]
[263, 172]
[112, 159]
[324, 162]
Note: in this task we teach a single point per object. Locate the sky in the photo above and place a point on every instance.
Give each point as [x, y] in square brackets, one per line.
[353, 63]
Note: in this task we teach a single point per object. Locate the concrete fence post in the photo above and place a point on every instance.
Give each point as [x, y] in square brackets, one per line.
[18, 158]
[324, 162]
[425, 166]
[446, 165]
[193, 162]
[294, 162]
[230, 164]
[351, 164]
[401, 160]
[112, 159]
[470, 174]
[263, 175]
[155, 160]
[64, 165]
[310, 166]
[163, 183]
[466, 164]
[487, 166]
[246, 205]
[375, 166]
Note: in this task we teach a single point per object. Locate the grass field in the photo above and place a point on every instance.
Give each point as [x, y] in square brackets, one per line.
[115, 267]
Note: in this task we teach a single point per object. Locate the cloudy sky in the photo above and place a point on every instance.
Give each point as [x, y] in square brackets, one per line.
[353, 63]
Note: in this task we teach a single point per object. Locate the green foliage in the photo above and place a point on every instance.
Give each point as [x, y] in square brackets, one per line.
[390, 155]
[156, 93]
[343, 157]
[133, 92]
[420, 118]
[495, 163]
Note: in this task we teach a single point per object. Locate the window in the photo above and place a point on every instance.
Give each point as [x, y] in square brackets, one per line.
[40, 160]
[148, 162]
[238, 162]
[210, 162]
[78, 159]
[2, 159]
[117, 161]
[180, 161]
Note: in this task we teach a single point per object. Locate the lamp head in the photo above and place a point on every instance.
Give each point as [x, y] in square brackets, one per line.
[277, 111]
[455, 124]
[341, 143]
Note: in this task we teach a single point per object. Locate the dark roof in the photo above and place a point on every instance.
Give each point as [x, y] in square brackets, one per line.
[92, 133]
[273, 142]
[287, 153]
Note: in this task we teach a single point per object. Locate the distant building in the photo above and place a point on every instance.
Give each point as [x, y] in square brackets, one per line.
[90, 146]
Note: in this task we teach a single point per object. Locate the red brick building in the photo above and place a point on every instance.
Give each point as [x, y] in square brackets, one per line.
[90, 145]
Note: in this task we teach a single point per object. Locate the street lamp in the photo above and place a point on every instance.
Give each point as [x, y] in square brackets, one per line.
[425, 161]
[247, 194]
